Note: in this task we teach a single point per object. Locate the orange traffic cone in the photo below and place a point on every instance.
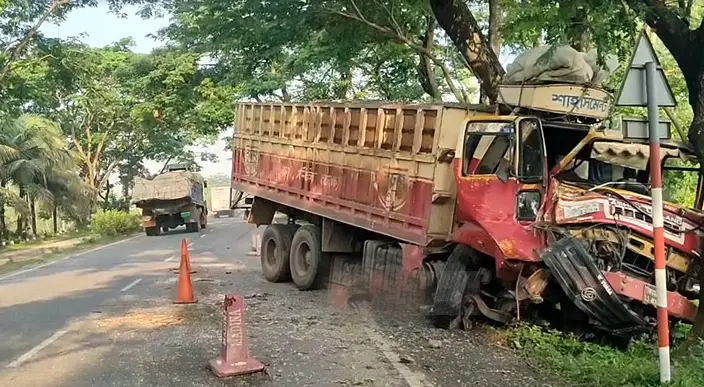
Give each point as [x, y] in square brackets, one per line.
[185, 255]
[185, 288]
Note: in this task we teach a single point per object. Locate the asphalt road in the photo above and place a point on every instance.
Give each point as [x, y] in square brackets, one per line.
[106, 318]
[37, 305]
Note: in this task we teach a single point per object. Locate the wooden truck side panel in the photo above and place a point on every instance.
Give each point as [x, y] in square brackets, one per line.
[370, 165]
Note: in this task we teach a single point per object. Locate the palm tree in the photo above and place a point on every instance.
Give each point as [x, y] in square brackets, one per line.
[34, 158]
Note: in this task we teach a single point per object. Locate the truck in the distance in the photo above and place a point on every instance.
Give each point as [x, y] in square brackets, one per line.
[221, 201]
[171, 199]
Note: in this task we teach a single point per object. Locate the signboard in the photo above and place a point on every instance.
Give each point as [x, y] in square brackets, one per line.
[633, 91]
[637, 128]
[562, 99]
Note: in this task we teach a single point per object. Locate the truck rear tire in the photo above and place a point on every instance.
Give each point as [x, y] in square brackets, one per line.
[275, 252]
[193, 227]
[152, 231]
[306, 259]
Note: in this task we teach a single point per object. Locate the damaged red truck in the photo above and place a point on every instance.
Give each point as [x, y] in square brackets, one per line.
[495, 211]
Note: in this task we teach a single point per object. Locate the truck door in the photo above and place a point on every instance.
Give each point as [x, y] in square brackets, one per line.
[501, 187]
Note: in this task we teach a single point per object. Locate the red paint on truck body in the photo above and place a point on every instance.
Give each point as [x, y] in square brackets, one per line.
[387, 201]
[486, 208]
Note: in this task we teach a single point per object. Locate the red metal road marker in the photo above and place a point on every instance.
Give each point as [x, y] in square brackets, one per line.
[234, 359]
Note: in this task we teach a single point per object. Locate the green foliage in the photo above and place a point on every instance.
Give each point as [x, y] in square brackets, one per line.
[114, 223]
[594, 365]
[301, 50]
[603, 24]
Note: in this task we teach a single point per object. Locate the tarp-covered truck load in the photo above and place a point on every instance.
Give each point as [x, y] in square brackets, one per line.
[170, 200]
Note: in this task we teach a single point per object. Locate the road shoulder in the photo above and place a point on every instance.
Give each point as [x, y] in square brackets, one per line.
[13, 262]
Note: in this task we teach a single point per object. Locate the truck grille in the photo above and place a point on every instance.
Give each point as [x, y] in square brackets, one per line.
[627, 212]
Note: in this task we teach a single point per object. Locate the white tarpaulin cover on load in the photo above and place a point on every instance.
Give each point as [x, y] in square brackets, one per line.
[168, 186]
[561, 64]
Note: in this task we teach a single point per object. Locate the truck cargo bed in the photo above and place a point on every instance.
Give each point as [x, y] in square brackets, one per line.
[382, 167]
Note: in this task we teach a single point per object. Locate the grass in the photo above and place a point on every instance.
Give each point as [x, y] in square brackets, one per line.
[39, 242]
[594, 365]
[89, 241]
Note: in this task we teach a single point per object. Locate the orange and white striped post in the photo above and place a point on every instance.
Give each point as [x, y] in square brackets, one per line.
[658, 225]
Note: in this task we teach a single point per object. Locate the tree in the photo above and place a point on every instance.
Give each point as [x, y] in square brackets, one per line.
[118, 108]
[31, 148]
[333, 49]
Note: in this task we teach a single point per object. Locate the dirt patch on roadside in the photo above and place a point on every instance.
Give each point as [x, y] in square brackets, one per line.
[141, 320]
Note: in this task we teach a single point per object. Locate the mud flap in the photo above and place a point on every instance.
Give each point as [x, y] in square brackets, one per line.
[574, 269]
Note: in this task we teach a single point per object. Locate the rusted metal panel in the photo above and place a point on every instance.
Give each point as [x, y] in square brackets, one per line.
[368, 164]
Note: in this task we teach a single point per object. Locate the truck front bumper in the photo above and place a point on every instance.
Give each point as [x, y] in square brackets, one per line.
[633, 289]
[604, 296]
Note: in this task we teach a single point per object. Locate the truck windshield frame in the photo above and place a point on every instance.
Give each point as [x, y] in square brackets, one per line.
[531, 155]
[491, 143]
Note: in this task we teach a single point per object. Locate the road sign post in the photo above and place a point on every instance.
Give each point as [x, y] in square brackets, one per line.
[645, 85]
[658, 225]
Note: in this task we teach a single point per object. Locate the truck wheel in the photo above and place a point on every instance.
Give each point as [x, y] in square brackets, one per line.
[275, 252]
[152, 231]
[451, 285]
[193, 227]
[306, 257]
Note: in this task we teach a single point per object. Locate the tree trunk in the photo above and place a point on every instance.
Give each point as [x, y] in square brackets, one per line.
[496, 18]
[3, 224]
[456, 19]
[579, 32]
[20, 216]
[696, 138]
[426, 74]
[55, 219]
[33, 210]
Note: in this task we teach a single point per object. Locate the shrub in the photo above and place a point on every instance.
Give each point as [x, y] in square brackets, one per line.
[594, 365]
[114, 222]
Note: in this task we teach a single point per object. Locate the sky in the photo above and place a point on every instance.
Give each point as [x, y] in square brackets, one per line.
[100, 28]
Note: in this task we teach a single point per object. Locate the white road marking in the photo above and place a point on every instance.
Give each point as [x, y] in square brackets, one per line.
[66, 257]
[190, 245]
[413, 379]
[169, 259]
[203, 235]
[131, 285]
[29, 354]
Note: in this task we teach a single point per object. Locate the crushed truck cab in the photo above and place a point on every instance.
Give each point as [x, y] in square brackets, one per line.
[492, 210]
